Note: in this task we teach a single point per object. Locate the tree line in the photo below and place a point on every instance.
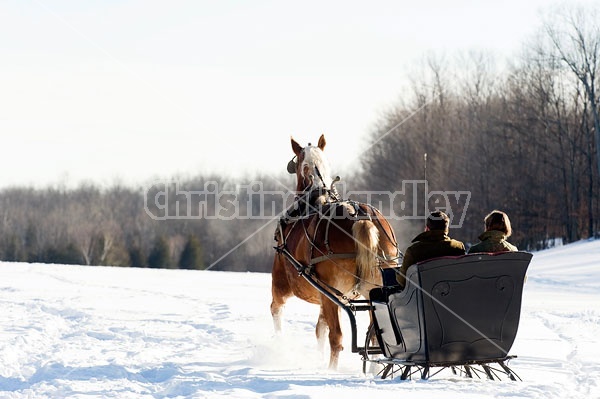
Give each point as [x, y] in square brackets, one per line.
[523, 137]
[116, 226]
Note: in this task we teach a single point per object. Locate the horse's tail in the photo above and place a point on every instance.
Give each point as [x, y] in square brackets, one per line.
[366, 237]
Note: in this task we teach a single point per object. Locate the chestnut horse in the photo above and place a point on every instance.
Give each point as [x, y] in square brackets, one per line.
[342, 244]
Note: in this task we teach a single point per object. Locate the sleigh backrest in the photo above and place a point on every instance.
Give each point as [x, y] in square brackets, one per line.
[454, 309]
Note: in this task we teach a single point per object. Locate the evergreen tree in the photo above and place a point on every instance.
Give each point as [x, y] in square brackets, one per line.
[12, 249]
[191, 257]
[67, 254]
[160, 256]
[137, 257]
[31, 243]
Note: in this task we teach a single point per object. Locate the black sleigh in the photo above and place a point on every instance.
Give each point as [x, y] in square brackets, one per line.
[458, 313]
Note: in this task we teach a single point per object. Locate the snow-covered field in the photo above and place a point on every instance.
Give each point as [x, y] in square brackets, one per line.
[101, 332]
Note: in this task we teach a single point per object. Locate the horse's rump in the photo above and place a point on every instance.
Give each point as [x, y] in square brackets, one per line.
[343, 244]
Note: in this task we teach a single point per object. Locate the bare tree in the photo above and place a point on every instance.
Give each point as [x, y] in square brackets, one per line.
[575, 36]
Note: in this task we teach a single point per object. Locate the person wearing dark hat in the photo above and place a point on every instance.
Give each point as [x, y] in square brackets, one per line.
[432, 243]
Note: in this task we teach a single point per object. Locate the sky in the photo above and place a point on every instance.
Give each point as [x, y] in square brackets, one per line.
[130, 91]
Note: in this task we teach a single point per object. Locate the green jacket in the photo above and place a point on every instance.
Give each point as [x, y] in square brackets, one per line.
[492, 241]
[427, 245]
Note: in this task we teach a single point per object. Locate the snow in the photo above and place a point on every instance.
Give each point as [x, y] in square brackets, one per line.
[106, 332]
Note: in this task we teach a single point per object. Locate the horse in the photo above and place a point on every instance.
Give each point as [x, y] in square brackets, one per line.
[340, 244]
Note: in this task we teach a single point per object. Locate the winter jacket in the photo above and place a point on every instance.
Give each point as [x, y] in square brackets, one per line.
[427, 245]
[492, 241]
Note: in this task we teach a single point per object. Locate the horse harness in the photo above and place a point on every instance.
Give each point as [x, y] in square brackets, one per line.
[303, 209]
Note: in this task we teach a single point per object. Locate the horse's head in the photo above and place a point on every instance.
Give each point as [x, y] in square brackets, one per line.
[310, 166]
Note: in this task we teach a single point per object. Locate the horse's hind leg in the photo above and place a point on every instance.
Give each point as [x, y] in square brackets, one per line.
[280, 291]
[330, 312]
